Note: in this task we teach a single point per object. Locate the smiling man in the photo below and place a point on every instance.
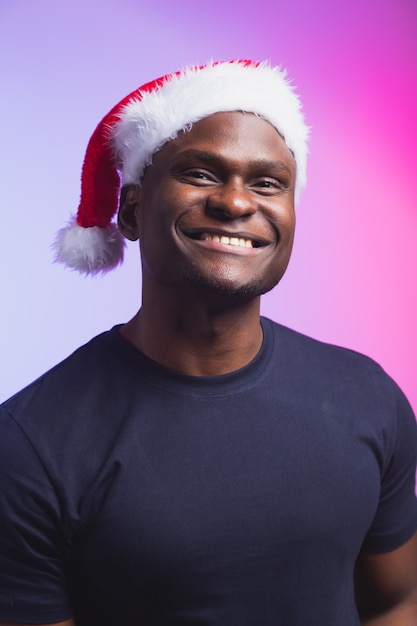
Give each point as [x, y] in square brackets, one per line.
[201, 464]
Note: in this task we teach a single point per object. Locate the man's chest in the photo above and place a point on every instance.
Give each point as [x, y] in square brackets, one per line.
[212, 498]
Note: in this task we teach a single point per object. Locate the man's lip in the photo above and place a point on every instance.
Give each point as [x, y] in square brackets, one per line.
[200, 233]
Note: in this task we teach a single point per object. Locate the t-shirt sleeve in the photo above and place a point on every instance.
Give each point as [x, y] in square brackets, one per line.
[33, 551]
[396, 517]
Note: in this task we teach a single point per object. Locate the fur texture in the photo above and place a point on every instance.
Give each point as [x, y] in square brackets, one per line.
[146, 123]
[89, 250]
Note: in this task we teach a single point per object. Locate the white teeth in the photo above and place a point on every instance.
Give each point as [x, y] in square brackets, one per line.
[230, 241]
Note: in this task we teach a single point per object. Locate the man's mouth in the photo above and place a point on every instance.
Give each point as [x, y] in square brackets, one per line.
[241, 242]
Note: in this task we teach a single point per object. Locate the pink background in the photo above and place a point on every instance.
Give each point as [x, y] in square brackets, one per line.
[352, 279]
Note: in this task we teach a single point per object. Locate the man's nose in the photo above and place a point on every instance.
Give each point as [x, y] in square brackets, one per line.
[230, 201]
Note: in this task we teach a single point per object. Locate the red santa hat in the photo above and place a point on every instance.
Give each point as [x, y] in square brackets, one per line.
[125, 140]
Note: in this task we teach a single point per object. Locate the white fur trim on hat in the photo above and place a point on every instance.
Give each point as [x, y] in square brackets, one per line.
[89, 250]
[195, 93]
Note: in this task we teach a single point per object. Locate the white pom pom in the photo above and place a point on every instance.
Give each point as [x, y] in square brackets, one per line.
[89, 250]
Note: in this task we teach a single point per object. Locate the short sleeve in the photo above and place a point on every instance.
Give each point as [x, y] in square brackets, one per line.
[396, 517]
[33, 552]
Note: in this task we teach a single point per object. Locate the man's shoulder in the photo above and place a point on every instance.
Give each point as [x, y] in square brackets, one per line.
[324, 359]
[67, 378]
[334, 373]
[308, 344]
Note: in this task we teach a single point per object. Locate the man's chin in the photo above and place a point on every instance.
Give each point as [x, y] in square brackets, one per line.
[214, 285]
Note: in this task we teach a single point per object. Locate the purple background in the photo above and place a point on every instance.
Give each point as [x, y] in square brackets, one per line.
[352, 279]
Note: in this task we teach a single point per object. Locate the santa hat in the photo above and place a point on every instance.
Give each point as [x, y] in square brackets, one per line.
[125, 140]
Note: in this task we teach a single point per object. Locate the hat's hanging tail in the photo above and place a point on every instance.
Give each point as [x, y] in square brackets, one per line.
[91, 242]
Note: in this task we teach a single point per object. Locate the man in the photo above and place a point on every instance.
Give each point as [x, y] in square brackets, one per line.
[200, 465]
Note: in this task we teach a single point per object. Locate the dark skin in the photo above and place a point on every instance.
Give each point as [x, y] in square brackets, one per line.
[200, 306]
[386, 586]
[232, 175]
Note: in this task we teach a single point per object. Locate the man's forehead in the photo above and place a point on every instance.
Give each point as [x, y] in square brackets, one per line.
[236, 140]
[231, 128]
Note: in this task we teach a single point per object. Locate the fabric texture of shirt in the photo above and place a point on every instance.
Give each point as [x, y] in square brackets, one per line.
[132, 495]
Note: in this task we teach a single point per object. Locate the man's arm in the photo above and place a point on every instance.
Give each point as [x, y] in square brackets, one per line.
[386, 586]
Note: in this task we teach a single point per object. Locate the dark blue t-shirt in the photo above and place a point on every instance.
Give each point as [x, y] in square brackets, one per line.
[131, 495]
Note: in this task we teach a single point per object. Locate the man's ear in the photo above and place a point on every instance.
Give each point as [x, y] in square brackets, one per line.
[128, 215]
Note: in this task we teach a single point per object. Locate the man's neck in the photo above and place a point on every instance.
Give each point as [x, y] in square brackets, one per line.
[198, 339]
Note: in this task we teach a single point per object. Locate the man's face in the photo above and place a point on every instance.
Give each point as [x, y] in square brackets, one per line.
[216, 208]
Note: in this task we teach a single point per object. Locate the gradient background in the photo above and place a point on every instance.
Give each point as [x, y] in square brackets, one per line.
[352, 279]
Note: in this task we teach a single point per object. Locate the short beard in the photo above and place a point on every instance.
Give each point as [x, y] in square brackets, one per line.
[211, 285]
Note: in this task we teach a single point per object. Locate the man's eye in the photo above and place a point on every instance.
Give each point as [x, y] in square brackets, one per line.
[197, 175]
[268, 183]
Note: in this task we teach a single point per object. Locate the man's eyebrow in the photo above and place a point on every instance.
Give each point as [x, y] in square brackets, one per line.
[271, 165]
[212, 156]
[198, 154]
